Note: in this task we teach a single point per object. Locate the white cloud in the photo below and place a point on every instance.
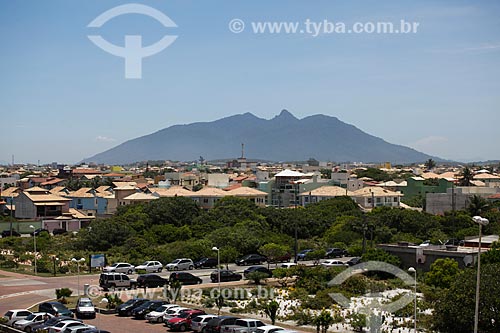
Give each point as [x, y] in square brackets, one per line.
[433, 145]
[101, 138]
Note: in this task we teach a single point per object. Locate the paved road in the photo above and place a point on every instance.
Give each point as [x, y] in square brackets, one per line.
[18, 291]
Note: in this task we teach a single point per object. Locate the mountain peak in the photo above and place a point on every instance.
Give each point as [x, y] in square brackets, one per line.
[285, 115]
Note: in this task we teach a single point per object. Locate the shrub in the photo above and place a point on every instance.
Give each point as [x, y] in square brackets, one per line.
[62, 293]
[256, 277]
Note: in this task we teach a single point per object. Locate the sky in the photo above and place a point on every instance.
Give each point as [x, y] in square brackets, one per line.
[62, 98]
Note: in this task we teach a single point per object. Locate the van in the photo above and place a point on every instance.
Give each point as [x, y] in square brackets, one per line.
[115, 281]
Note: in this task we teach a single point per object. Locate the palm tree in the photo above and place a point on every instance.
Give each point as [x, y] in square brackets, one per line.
[466, 177]
[477, 205]
[430, 164]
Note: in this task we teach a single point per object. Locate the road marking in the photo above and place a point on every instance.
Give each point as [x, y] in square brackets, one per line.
[20, 282]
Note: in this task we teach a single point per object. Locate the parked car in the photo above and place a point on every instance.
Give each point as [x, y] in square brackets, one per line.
[156, 316]
[353, 261]
[180, 264]
[59, 231]
[268, 329]
[43, 327]
[253, 269]
[173, 312]
[84, 308]
[126, 308]
[14, 315]
[77, 329]
[454, 242]
[116, 281]
[141, 311]
[287, 265]
[151, 281]
[198, 324]
[150, 267]
[243, 325]
[183, 321]
[206, 263]
[250, 259]
[302, 255]
[284, 258]
[214, 325]
[8, 233]
[225, 276]
[335, 252]
[39, 231]
[63, 325]
[33, 319]
[119, 267]
[55, 308]
[95, 330]
[185, 278]
[333, 263]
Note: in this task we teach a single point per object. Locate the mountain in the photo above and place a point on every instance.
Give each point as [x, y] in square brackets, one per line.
[282, 138]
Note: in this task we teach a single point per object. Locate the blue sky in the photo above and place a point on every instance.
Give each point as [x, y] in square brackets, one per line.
[62, 98]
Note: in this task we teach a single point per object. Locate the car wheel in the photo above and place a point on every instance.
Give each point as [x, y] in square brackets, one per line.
[191, 267]
[160, 320]
[176, 268]
[159, 270]
[129, 271]
[182, 328]
[27, 329]
[199, 281]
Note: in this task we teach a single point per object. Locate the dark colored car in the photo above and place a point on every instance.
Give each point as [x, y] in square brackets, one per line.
[206, 263]
[39, 231]
[353, 261]
[7, 233]
[284, 258]
[183, 321]
[58, 231]
[55, 308]
[214, 325]
[253, 269]
[50, 322]
[185, 278]
[302, 255]
[225, 276]
[454, 242]
[141, 311]
[335, 252]
[151, 281]
[251, 259]
[126, 308]
[95, 330]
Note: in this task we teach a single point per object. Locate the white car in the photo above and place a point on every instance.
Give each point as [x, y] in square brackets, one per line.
[77, 329]
[32, 319]
[14, 315]
[174, 312]
[120, 267]
[150, 267]
[333, 263]
[287, 265]
[268, 329]
[157, 315]
[63, 325]
[182, 263]
[198, 323]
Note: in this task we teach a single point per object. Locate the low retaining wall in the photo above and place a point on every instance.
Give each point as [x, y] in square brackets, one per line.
[7, 329]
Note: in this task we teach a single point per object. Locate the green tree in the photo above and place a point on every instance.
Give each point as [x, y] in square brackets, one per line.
[357, 321]
[273, 251]
[380, 255]
[466, 177]
[430, 164]
[492, 256]
[324, 320]
[477, 205]
[454, 311]
[271, 310]
[257, 277]
[442, 273]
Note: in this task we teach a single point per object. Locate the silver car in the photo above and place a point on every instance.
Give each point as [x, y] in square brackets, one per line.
[180, 264]
[198, 323]
[120, 267]
[150, 267]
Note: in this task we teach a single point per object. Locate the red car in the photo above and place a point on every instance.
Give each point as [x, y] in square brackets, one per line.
[183, 321]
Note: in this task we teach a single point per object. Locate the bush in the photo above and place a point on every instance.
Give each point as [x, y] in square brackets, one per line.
[257, 277]
[9, 264]
[62, 293]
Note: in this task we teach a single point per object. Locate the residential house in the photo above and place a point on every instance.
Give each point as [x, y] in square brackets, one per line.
[373, 196]
[88, 201]
[50, 183]
[207, 197]
[174, 191]
[139, 197]
[38, 202]
[322, 193]
[456, 198]
[254, 195]
[284, 189]
[420, 186]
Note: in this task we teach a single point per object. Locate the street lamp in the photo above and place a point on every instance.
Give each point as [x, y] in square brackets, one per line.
[78, 261]
[34, 243]
[102, 301]
[413, 270]
[218, 269]
[481, 222]
[54, 259]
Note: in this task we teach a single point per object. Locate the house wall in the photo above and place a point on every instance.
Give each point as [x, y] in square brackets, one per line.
[25, 209]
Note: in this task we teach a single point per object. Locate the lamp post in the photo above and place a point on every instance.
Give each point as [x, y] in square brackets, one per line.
[78, 261]
[218, 270]
[413, 270]
[34, 244]
[103, 301]
[54, 259]
[481, 222]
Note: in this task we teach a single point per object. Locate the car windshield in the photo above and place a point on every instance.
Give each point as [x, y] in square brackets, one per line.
[176, 261]
[114, 265]
[161, 308]
[86, 303]
[183, 315]
[129, 302]
[31, 316]
[59, 307]
[145, 263]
